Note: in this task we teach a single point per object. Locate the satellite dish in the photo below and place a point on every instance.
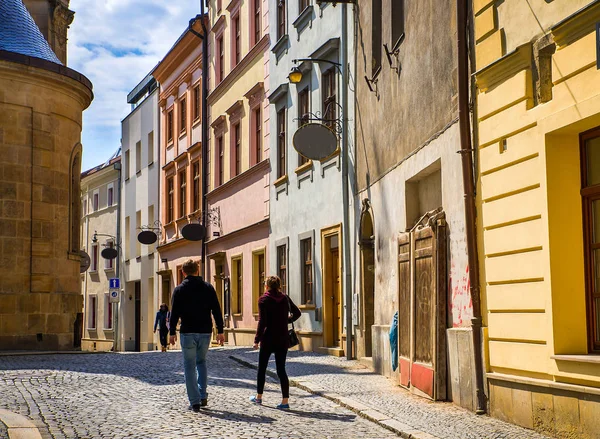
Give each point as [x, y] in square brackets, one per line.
[193, 232]
[147, 237]
[109, 253]
[85, 261]
[315, 141]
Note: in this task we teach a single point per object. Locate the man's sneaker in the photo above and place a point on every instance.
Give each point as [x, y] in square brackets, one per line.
[194, 407]
[204, 402]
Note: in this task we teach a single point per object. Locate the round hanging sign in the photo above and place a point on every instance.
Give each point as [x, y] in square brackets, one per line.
[109, 253]
[193, 232]
[147, 237]
[85, 261]
[315, 141]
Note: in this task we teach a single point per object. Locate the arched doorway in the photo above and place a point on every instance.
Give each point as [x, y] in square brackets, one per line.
[367, 261]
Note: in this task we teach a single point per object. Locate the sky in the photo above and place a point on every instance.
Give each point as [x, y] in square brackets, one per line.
[115, 44]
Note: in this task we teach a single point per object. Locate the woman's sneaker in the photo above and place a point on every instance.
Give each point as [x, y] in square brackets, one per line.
[283, 406]
[255, 400]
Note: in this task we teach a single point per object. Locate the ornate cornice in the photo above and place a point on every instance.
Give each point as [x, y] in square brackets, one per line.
[577, 25]
[505, 67]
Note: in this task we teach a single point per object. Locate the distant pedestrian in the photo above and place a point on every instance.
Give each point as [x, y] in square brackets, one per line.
[162, 322]
[275, 311]
[194, 300]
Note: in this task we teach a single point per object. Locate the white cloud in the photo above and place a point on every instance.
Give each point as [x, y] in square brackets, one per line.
[115, 43]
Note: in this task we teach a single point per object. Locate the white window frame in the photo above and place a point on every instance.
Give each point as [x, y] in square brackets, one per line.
[94, 267]
[92, 298]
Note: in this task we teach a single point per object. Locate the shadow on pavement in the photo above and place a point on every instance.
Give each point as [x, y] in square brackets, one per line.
[237, 417]
[324, 416]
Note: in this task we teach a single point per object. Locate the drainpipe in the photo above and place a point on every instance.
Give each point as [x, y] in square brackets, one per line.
[202, 36]
[117, 306]
[466, 152]
[345, 184]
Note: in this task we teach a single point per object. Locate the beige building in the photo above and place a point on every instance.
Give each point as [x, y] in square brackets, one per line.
[99, 201]
[41, 104]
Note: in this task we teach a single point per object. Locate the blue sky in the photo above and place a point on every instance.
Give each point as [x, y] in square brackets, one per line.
[115, 43]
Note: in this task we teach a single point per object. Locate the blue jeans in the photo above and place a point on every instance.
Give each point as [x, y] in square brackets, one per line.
[194, 347]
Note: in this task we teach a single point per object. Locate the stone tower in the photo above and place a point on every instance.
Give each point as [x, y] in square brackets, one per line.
[41, 105]
[53, 18]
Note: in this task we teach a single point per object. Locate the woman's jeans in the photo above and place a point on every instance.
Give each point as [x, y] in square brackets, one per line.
[194, 347]
[263, 361]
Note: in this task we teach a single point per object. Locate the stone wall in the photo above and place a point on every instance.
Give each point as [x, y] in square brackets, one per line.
[40, 129]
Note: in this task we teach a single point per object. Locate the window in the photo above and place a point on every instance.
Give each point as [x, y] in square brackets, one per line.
[397, 21]
[94, 257]
[107, 312]
[150, 148]
[196, 187]
[84, 204]
[280, 18]
[303, 116]
[236, 40]
[237, 150]
[127, 242]
[92, 312]
[109, 196]
[590, 193]
[109, 263]
[376, 36]
[258, 278]
[258, 135]
[138, 226]
[138, 157]
[221, 161]
[170, 201]
[237, 284]
[208, 165]
[329, 98]
[282, 266]
[183, 115]
[197, 103]
[220, 60]
[169, 126]
[281, 164]
[182, 193]
[180, 275]
[307, 280]
[257, 26]
[126, 165]
[218, 5]
[302, 5]
[96, 201]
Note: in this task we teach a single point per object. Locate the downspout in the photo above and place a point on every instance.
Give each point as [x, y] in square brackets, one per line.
[204, 123]
[466, 152]
[117, 336]
[345, 184]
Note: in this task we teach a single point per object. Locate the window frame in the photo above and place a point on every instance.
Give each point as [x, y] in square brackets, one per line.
[237, 285]
[182, 115]
[256, 22]
[220, 153]
[182, 192]
[236, 40]
[150, 148]
[196, 177]
[376, 36]
[110, 195]
[170, 187]
[303, 110]
[109, 264]
[281, 19]
[92, 320]
[307, 270]
[281, 143]
[236, 146]
[329, 96]
[96, 200]
[138, 157]
[170, 131]
[220, 67]
[197, 103]
[108, 314]
[397, 22]
[258, 277]
[282, 265]
[94, 259]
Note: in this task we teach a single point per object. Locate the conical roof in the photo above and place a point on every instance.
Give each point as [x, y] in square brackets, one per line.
[20, 34]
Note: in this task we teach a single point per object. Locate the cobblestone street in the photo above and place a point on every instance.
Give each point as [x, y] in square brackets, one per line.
[142, 395]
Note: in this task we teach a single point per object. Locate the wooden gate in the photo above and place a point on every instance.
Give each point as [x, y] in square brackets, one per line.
[422, 295]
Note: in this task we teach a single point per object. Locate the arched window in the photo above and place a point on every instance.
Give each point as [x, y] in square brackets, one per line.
[74, 199]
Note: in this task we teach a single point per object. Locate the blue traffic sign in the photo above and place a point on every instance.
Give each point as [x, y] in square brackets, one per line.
[114, 283]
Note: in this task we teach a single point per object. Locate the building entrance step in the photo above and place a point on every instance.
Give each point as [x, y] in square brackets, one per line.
[335, 351]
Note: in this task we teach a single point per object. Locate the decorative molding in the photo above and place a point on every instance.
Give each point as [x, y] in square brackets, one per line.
[257, 89]
[262, 166]
[219, 26]
[331, 45]
[303, 20]
[218, 121]
[576, 25]
[234, 6]
[281, 45]
[279, 93]
[237, 105]
[505, 67]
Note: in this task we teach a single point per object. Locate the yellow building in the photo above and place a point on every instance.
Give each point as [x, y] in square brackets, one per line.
[538, 111]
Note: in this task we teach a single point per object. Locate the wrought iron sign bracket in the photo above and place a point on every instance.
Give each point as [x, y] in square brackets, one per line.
[335, 124]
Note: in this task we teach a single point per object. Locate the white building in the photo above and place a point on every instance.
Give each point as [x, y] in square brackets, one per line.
[140, 188]
[99, 204]
[306, 196]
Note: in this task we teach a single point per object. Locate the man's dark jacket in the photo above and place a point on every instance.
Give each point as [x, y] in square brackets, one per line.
[193, 301]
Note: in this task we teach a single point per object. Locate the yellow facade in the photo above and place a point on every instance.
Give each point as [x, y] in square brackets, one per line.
[538, 89]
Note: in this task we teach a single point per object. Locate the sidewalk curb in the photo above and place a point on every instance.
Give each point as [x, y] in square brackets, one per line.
[364, 411]
[19, 427]
[27, 353]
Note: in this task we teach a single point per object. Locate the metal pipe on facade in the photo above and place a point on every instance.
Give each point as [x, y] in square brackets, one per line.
[466, 152]
[117, 341]
[345, 184]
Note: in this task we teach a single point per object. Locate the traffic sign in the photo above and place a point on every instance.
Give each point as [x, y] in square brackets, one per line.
[114, 296]
[114, 283]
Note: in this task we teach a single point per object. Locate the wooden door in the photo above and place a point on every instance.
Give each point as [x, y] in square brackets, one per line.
[336, 297]
[138, 315]
[422, 309]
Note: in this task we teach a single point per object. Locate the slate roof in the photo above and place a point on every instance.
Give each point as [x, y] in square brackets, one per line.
[20, 34]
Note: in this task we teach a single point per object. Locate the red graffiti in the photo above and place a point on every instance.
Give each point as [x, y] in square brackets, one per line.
[461, 304]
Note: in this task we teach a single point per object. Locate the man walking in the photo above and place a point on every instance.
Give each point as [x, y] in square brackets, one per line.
[194, 300]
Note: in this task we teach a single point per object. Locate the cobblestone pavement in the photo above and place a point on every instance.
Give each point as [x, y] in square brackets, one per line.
[3, 430]
[353, 380]
[142, 395]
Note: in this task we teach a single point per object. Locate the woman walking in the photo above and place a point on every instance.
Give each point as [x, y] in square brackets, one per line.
[274, 309]
[162, 321]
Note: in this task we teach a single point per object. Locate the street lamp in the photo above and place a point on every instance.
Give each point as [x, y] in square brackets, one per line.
[295, 75]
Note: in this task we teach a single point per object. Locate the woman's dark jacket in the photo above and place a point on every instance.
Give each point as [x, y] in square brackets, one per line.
[274, 308]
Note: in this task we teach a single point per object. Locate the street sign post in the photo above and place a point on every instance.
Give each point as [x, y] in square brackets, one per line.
[114, 283]
[114, 296]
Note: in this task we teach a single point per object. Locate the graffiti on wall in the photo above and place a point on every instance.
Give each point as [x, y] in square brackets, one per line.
[461, 305]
